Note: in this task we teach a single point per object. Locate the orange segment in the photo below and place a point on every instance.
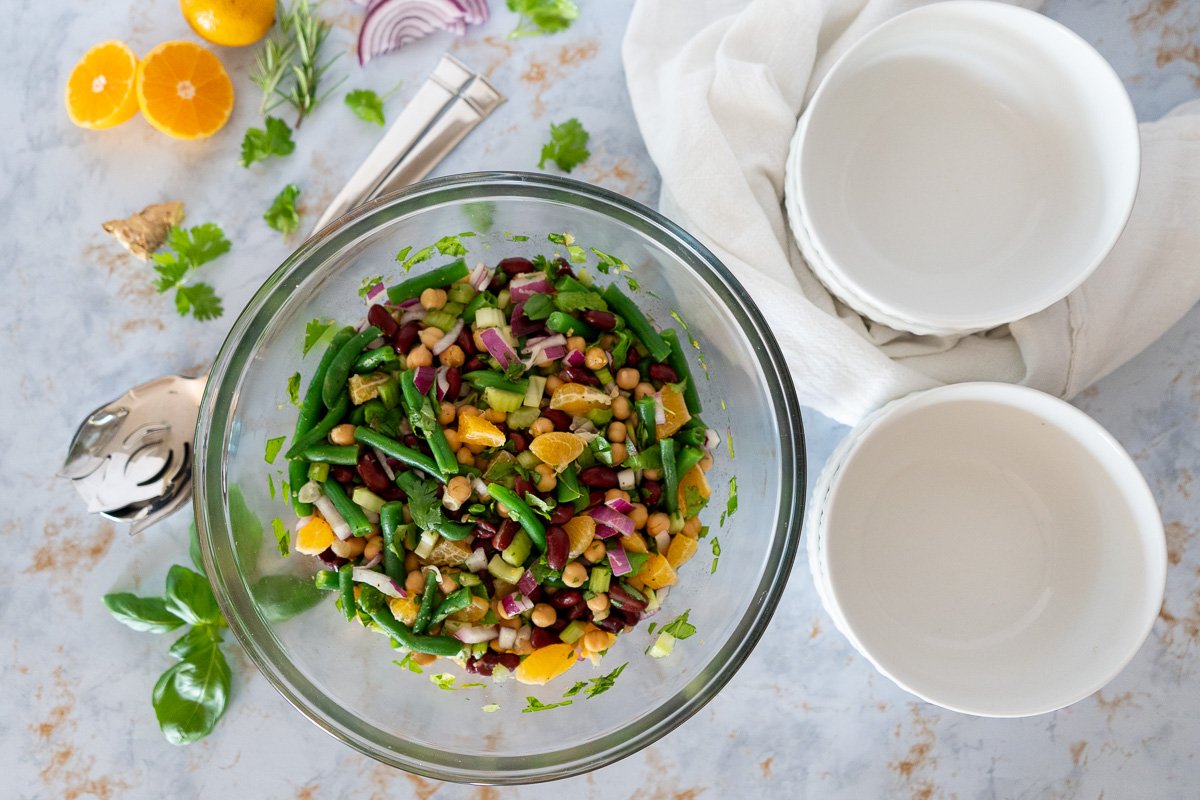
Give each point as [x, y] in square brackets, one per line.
[546, 664]
[682, 548]
[696, 480]
[184, 91]
[557, 448]
[676, 414]
[100, 90]
[577, 399]
[580, 532]
[473, 429]
[657, 572]
[404, 609]
[229, 22]
[314, 537]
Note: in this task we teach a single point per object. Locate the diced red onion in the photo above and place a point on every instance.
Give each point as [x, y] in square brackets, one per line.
[527, 583]
[663, 540]
[423, 379]
[553, 353]
[443, 382]
[377, 579]
[523, 287]
[411, 302]
[474, 634]
[626, 479]
[331, 515]
[375, 344]
[543, 341]
[481, 277]
[606, 532]
[620, 505]
[374, 561]
[475, 12]
[574, 358]
[711, 438]
[450, 338]
[660, 411]
[391, 24]
[477, 561]
[516, 603]
[376, 294]
[508, 638]
[606, 515]
[412, 315]
[383, 462]
[498, 348]
[618, 559]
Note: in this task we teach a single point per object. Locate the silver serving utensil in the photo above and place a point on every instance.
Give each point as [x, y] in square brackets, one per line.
[131, 459]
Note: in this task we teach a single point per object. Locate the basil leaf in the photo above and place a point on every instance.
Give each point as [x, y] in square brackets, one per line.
[194, 548]
[281, 597]
[190, 697]
[579, 301]
[147, 614]
[195, 641]
[190, 597]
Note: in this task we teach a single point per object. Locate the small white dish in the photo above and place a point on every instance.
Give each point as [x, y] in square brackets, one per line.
[990, 549]
[963, 165]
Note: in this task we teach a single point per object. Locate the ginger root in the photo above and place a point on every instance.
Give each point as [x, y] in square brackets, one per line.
[145, 231]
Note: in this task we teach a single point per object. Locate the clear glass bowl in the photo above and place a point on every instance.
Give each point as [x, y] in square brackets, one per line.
[342, 677]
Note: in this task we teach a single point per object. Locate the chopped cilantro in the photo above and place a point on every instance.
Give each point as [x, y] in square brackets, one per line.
[632, 284]
[366, 105]
[313, 332]
[576, 253]
[561, 238]
[605, 682]
[273, 448]
[731, 503]
[407, 262]
[543, 507]
[567, 146]
[650, 628]
[680, 628]
[729, 438]
[516, 237]
[443, 680]
[271, 485]
[368, 283]
[579, 301]
[452, 245]
[193, 247]
[472, 686]
[273, 139]
[693, 501]
[576, 689]
[716, 551]
[282, 215]
[538, 307]
[293, 389]
[281, 536]
[608, 262]
[538, 705]
[408, 664]
[540, 17]
[491, 708]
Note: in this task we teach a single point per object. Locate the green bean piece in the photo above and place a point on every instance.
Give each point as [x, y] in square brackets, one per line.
[670, 474]
[389, 393]
[521, 512]
[647, 428]
[311, 405]
[297, 477]
[564, 323]
[406, 455]
[637, 322]
[688, 457]
[374, 359]
[328, 580]
[350, 511]
[332, 418]
[346, 455]
[446, 646]
[678, 362]
[694, 433]
[454, 602]
[456, 270]
[424, 421]
[346, 585]
[343, 362]
[487, 379]
[391, 516]
[425, 612]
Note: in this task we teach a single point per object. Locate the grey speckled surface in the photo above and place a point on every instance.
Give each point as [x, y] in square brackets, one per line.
[805, 717]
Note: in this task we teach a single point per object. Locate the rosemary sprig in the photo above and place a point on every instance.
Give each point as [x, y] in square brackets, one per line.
[286, 68]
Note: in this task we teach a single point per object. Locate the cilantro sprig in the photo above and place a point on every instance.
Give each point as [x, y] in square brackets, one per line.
[366, 105]
[539, 17]
[273, 139]
[192, 248]
[567, 146]
[282, 215]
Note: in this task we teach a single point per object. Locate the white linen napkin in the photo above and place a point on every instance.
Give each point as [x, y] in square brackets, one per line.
[717, 86]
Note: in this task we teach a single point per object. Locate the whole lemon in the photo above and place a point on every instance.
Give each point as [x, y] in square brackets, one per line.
[229, 22]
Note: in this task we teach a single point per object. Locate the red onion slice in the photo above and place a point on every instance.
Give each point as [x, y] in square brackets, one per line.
[498, 348]
[606, 515]
[527, 583]
[516, 603]
[606, 532]
[423, 379]
[391, 24]
[475, 12]
[523, 287]
[618, 559]
[508, 638]
[376, 294]
[474, 634]
[412, 315]
[442, 344]
[620, 505]
[574, 358]
[481, 277]
[377, 579]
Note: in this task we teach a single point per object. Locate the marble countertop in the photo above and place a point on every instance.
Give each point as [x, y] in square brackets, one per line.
[806, 716]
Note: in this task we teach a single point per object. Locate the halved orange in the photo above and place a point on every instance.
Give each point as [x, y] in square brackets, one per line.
[546, 663]
[184, 91]
[230, 22]
[557, 448]
[100, 91]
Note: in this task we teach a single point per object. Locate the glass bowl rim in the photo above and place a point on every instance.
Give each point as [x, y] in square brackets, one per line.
[321, 249]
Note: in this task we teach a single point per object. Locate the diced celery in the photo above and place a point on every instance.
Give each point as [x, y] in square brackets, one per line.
[503, 571]
[528, 460]
[426, 545]
[479, 648]
[604, 376]
[524, 417]
[502, 298]
[389, 393]
[501, 400]
[453, 308]
[441, 319]
[537, 387]
[600, 579]
[467, 579]
[318, 471]
[573, 632]
[662, 646]
[461, 292]
[367, 499]
[489, 318]
[677, 522]
[518, 550]
[600, 416]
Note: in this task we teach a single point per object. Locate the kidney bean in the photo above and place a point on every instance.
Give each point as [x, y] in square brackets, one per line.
[473, 363]
[561, 267]
[522, 487]
[405, 337]
[484, 529]
[486, 544]
[516, 266]
[631, 358]
[466, 342]
[661, 372]
[490, 660]
[595, 498]
[610, 623]
[537, 594]
[372, 473]
[624, 600]
[577, 612]
[558, 544]
[599, 477]
[566, 598]
[505, 535]
[341, 474]
[412, 440]
[520, 441]
[541, 637]
[578, 375]
[604, 320]
[453, 383]
[561, 514]
[560, 419]
[330, 558]
[651, 492]
[379, 316]
[560, 623]
[392, 492]
[472, 666]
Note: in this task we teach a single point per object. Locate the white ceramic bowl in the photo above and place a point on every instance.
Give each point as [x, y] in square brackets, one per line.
[963, 165]
[990, 548]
